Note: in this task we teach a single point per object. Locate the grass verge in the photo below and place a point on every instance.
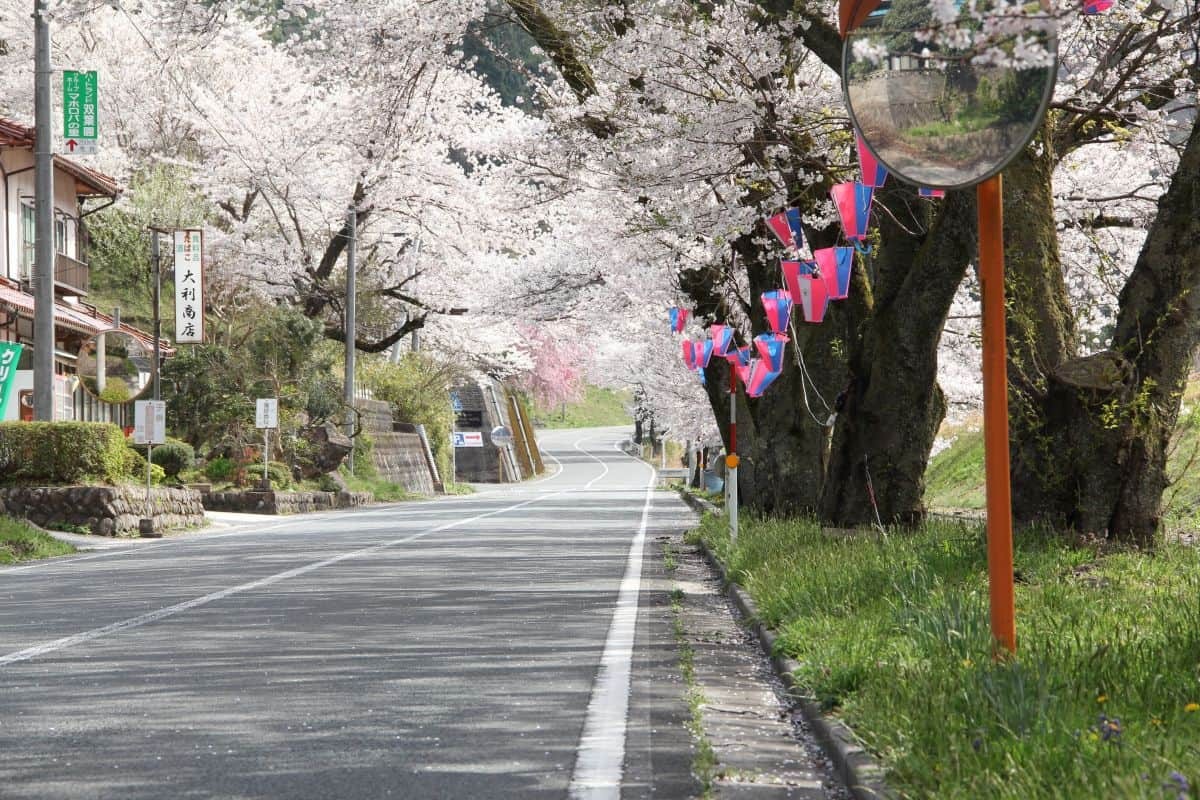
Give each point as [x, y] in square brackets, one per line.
[1103, 699]
[22, 542]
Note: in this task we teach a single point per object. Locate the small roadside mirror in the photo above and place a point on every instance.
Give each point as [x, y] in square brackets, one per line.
[501, 436]
[115, 367]
[940, 99]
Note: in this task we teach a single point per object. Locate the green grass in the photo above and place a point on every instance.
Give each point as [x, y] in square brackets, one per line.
[452, 487]
[599, 408]
[892, 635]
[21, 542]
[954, 478]
[384, 491]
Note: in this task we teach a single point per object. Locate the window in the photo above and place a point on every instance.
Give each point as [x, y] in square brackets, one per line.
[60, 234]
[28, 232]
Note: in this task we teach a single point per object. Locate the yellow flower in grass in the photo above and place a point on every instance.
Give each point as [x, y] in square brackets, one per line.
[1156, 722]
[1192, 707]
[1102, 699]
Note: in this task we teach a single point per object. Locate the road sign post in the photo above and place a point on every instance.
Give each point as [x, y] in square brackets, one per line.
[266, 418]
[149, 428]
[877, 72]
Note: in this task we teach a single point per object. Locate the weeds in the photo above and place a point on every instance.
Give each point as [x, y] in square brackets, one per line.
[21, 542]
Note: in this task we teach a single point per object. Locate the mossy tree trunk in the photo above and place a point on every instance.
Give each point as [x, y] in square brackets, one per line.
[893, 406]
[1041, 333]
[1105, 421]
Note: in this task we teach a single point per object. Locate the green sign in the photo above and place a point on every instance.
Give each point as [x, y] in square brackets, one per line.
[10, 354]
[80, 105]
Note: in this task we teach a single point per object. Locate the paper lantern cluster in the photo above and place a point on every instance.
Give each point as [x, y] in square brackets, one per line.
[809, 284]
[756, 365]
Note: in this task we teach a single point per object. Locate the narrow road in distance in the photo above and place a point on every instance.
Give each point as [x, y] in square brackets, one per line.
[511, 644]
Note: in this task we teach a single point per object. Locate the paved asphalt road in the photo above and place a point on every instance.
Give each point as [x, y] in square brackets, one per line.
[478, 647]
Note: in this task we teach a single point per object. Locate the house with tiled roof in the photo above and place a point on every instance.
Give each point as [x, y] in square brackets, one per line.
[79, 191]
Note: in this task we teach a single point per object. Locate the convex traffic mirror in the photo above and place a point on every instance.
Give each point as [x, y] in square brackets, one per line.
[946, 93]
[115, 367]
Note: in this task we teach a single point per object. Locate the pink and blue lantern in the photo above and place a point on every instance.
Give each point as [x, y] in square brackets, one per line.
[722, 338]
[689, 353]
[793, 220]
[836, 263]
[853, 201]
[743, 372]
[792, 272]
[778, 223]
[778, 307]
[874, 173]
[702, 352]
[932, 194]
[771, 347]
[1091, 7]
[759, 376]
[814, 297]
[739, 356]
[679, 318]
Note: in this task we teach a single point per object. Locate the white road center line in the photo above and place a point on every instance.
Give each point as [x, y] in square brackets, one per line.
[170, 611]
[600, 755]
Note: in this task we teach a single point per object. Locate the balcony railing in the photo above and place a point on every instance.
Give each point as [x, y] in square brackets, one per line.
[71, 276]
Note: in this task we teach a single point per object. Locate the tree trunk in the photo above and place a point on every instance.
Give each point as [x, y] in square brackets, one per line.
[1041, 334]
[893, 407]
[1108, 418]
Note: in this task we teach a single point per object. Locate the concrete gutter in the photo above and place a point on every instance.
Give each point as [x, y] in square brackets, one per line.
[858, 769]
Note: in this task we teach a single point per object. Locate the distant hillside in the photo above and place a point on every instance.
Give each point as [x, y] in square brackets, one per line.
[599, 408]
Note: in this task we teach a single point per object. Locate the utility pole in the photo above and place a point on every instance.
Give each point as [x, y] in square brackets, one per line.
[43, 279]
[352, 227]
[156, 257]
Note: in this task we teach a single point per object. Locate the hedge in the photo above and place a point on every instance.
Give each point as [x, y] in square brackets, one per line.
[62, 452]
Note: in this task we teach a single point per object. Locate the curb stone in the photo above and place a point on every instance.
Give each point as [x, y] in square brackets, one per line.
[861, 773]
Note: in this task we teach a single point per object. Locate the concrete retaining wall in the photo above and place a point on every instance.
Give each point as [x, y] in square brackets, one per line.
[104, 510]
[400, 458]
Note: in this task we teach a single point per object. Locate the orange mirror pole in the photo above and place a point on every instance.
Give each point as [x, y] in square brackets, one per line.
[995, 414]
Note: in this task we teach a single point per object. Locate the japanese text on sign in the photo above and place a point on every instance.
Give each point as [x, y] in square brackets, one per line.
[10, 355]
[189, 286]
[80, 103]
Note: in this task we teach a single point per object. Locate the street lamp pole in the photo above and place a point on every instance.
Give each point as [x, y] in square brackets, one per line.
[43, 278]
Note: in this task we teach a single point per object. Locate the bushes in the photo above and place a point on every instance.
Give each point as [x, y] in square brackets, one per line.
[280, 475]
[174, 457]
[62, 452]
[220, 470]
[137, 468]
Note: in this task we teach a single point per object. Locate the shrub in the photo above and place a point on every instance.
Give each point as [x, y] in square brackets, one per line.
[280, 475]
[62, 452]
[174, 457]
[220, 469]
[137, 468]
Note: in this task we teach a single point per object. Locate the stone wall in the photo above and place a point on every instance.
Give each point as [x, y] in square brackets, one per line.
[283, 502]
[104, 510]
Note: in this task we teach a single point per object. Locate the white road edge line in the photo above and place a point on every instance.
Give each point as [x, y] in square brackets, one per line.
[600, 756]
[170, 611]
